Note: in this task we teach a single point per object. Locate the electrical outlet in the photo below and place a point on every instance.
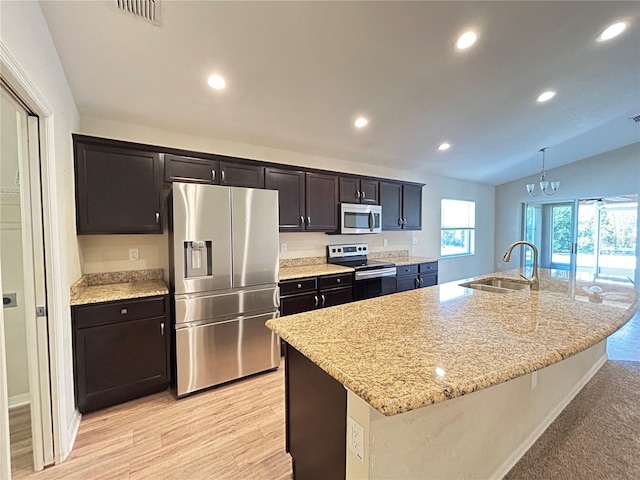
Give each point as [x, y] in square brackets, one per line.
[385, 242]
[415, 240]
[356, 439]
[134, 254]
[534, 380]
[283, 248]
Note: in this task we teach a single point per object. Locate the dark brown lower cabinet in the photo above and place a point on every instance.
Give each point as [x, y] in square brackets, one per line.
[120, 351]
[316, 419]
[417, 276]
[305, 294]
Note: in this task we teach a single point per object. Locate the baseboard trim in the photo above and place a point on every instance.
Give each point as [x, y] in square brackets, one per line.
[72, 432]
[16, 401]
[548, 420]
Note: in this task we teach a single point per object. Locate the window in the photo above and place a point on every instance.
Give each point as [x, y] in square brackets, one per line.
[458, 228]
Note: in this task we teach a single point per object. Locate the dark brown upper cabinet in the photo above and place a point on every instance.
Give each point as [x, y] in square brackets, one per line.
[117, 190]
[307, 201]
[355, 190]
[291, 197]
[321, 202]
[178, 168]
[401, 206]
[241, 175]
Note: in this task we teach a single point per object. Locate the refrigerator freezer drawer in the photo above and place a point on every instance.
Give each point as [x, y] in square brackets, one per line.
[196, 308]
[211, 354]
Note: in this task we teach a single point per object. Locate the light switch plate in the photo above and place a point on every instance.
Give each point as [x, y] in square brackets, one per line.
[283, 248]
[355, 439]
[134, 254]
[385, 242]
[415, 240]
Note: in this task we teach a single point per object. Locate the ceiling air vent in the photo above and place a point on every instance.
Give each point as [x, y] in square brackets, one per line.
[148, 10]
[636, 118]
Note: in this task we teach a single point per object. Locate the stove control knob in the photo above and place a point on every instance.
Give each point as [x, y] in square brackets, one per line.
[339, 249]
[360, 248]
[364, 248]
[333, 250]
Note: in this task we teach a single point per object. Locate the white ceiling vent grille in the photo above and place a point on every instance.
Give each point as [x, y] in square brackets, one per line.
[148, 10]
[636, 118]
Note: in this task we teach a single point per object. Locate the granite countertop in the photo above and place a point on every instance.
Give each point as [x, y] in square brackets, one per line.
[408, 260]
[288, 273]
[111, 286]
[408, 350]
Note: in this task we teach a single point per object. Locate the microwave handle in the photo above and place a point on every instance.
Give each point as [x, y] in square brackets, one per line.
[371, 221]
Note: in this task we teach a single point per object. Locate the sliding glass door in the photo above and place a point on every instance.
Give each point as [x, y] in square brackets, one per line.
[594, 236]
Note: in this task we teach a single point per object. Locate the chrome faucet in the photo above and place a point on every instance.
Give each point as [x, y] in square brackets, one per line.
[534, 281]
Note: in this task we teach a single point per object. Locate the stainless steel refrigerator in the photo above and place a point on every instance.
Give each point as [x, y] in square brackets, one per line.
[224, 277]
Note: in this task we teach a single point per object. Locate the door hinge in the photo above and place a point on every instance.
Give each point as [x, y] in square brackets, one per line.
[41, 311]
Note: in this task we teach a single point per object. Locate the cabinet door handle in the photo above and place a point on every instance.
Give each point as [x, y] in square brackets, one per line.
[316, 300]
[213, 175]
[417, 282]
[157, 218]
[308, 221]
[420, 282]
[324, 300]
[299, 285]
[357, 194]
[222, 176]
[337, 280]
[400, 222]
[162, 329]
[301, 221]
[404, 222]
[363, 195]
[123, 311]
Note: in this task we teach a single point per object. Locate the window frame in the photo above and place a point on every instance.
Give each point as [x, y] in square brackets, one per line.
[467, 228]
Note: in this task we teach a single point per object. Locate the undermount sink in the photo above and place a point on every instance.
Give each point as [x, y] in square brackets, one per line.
[496, 285]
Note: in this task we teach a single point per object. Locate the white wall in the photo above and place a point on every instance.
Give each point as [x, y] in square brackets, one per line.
[15, 327]
[106, 253]
[616, 172]
[26, 36]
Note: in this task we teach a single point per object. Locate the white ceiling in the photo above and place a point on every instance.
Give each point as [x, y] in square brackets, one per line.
[298, 73]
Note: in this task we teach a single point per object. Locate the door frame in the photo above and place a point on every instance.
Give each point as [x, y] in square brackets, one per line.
[18, 80]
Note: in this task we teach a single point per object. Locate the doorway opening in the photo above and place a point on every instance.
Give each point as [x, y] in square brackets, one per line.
[22, 277]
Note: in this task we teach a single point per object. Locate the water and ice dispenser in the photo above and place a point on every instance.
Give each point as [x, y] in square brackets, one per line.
[197, 258]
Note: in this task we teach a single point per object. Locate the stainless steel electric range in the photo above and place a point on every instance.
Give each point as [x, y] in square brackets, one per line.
[372, 278]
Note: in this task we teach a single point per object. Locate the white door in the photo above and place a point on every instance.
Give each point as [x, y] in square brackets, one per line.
[23, 265]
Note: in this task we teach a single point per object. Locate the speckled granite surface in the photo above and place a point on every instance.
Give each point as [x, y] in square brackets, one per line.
[388, 254]
[405, 351]
[288, 273]
[299, 262]
[407, 260]
[110, 286]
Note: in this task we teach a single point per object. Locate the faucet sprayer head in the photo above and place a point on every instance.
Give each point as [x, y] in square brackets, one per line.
[507, 256]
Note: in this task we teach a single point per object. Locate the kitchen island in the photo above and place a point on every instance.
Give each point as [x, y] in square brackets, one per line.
[398, 386]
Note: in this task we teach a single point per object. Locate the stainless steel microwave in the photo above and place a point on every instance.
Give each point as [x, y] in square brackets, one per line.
[356, 218]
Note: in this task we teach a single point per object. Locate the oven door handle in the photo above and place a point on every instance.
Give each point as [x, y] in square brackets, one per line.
[381, 272]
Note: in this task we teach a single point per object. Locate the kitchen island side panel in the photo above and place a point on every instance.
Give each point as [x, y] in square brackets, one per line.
[316, 416]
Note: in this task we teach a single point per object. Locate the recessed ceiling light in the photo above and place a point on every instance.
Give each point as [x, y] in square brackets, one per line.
[466, 40]
[444, 146]
[361, 122]
[216, 82]
[612, 31]
[545, 96]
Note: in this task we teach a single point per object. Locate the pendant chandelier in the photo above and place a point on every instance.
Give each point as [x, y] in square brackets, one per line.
[546, 187]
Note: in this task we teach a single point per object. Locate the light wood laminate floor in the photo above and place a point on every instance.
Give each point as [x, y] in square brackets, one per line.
[231, 432]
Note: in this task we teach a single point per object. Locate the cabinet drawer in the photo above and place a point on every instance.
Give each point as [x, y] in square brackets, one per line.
[429, 267]
[115, 312]
[290, 287]
[407, 270]
[187, 169]
[332, 281]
